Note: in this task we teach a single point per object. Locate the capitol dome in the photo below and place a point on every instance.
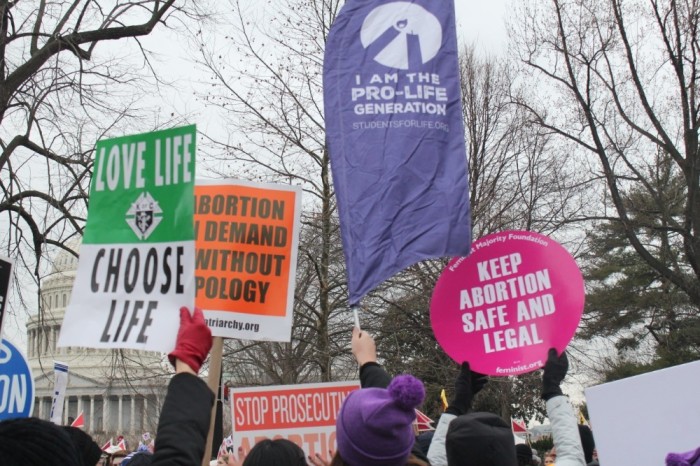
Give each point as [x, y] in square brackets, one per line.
[67, 261]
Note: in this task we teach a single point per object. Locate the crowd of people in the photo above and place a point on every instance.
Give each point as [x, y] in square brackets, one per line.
[374, 426]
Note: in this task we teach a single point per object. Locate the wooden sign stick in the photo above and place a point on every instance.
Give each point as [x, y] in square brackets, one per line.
[217, 351]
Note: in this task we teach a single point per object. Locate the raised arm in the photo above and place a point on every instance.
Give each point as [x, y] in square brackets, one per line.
[365, 352]
[184, 421]
[561, 415]
[467, 384]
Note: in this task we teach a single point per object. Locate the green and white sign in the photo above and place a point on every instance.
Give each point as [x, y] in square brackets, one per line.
[136, 265]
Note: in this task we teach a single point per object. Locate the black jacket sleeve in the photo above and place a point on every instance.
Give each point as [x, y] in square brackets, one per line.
[184, 422]
[373, 375]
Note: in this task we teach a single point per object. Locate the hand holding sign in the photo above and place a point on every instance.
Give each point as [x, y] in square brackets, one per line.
[554, 372]
[467, 384]
[363, 347]
[193, 340]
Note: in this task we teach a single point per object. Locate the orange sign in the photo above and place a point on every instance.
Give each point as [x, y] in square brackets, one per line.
[246, 241]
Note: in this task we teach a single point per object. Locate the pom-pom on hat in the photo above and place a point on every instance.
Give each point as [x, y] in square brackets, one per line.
[374, 425]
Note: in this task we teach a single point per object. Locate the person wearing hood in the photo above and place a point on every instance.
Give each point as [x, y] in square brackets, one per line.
[465, 438]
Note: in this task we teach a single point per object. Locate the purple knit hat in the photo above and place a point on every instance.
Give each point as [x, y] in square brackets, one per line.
[691, 458]
[374, 425]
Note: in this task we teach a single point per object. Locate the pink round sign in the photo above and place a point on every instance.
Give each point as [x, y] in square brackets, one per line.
[501, 308]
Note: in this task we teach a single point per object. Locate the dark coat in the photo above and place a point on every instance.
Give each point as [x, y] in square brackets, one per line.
[184, 422]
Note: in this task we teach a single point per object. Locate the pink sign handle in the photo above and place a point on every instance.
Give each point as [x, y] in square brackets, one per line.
[501, 308]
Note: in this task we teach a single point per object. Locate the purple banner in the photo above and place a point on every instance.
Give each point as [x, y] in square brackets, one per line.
[396, 137]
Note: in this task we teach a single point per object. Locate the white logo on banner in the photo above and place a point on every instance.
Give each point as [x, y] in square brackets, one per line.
[406, 19]
[144, 215]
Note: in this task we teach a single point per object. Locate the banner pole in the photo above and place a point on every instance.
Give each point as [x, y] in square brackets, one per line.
[217, 351]
[356, 314]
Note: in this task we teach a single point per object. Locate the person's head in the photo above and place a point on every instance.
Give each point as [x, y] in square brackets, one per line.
[480, 438]
[587, 442]
[280, 452]
[374, 426]
[523, 453]
[89, 452]
[31, 441]
[551, 456]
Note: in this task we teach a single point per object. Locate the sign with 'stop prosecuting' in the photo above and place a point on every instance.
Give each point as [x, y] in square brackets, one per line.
[304, 414]
[136, 265]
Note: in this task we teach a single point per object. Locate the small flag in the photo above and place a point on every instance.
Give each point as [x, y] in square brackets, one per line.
[221, 452]
[122, 444]
[106, 446]
[423, 421]
[582, 419]
[226, 447]
[443, 397]
[79, 421]
[518, 426]
[60, 370]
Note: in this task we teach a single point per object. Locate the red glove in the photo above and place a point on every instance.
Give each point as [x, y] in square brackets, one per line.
[193, 339]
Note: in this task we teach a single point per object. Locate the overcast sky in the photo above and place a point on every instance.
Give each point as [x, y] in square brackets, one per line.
[482, 23]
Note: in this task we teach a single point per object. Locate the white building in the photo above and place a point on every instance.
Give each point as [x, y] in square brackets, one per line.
[119, 392]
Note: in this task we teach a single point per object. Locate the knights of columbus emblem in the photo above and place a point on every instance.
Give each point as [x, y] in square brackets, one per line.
[144, 215]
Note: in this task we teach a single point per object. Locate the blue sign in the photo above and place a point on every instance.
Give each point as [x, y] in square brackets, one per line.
[16, 383]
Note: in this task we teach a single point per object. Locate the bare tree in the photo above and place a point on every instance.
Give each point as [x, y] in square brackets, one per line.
[266, 81]
[516, 178]
[59, 93]
[64, 84]
[617, 84]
